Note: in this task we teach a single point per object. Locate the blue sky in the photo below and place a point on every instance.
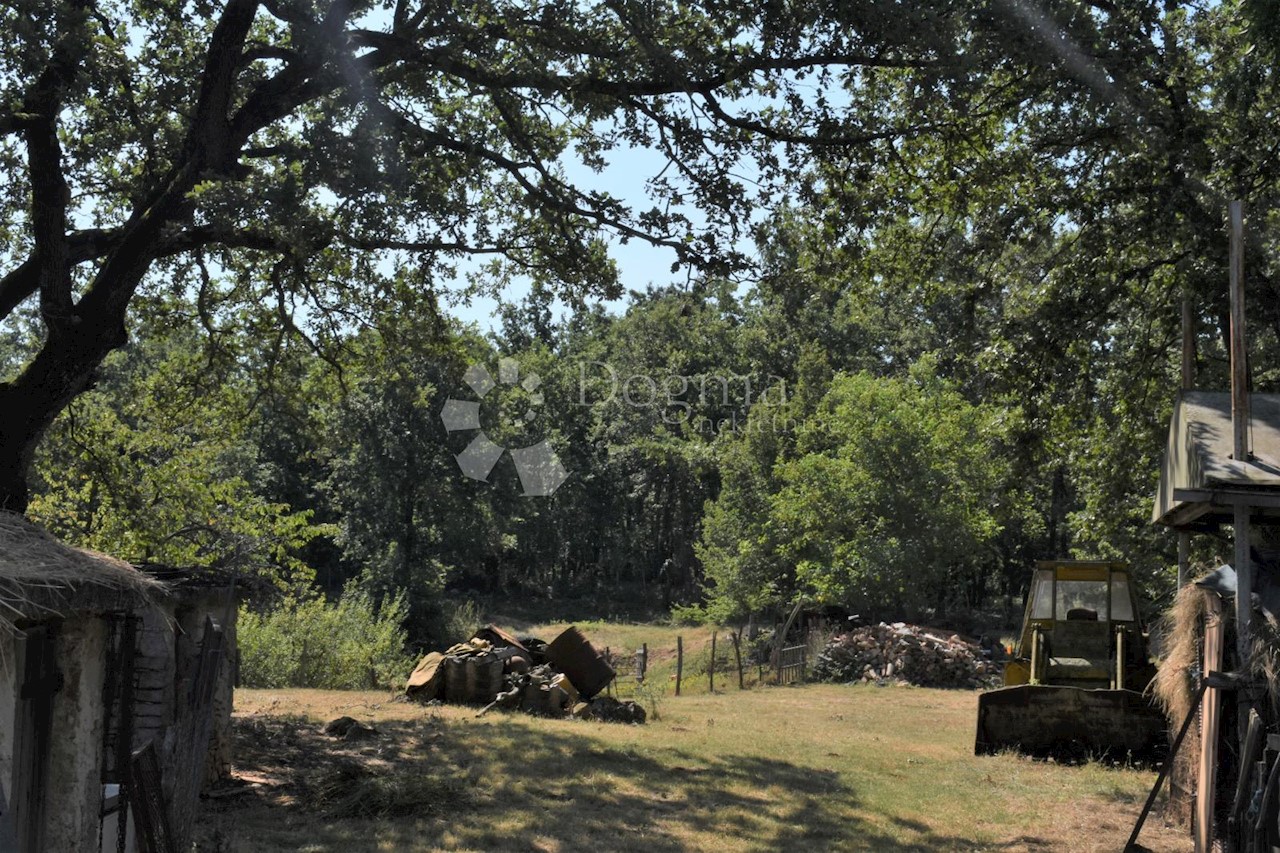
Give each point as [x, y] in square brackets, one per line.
[639, 264]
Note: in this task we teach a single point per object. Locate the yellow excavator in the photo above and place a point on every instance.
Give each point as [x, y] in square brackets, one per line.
[1076, 682]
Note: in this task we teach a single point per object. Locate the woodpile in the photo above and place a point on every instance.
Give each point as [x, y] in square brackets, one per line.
[907, 654]
[497, 670]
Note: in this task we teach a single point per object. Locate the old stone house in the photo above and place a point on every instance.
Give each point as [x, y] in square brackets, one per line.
[112, 691]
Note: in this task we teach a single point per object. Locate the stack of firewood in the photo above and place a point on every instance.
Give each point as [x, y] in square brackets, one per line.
[904, 653]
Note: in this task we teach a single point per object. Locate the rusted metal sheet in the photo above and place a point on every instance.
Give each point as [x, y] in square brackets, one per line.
[572, 654]
[1053, 720]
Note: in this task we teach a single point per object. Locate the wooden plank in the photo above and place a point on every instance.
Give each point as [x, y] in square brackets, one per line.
[1226, 498]
[679, 662]
[737, 656]
[146, 800]
[37, 682]
[1188, 344]
[1214, 632]
[711, 667]
[193, 732]
[1239, 354]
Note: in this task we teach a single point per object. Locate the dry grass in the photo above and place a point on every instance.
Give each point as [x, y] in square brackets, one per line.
[817, 768]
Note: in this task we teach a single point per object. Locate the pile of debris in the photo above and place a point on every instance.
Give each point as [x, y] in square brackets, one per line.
[904, 653]
[496, 670]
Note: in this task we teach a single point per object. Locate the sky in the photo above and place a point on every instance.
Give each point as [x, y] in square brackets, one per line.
[639, 264]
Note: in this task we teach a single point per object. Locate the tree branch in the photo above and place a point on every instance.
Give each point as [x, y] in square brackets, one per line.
[22, 281]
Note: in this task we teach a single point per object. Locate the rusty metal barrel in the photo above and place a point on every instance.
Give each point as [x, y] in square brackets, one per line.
[572, 654]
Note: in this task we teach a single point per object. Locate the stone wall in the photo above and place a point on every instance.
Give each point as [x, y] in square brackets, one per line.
[75, 757]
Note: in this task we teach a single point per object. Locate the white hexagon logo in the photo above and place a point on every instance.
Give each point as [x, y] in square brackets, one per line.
[539, 469]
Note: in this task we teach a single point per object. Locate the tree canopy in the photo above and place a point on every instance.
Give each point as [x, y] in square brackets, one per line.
[952, 223]
[300, 164]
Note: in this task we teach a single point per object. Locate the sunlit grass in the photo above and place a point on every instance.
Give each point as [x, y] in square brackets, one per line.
[817, 767]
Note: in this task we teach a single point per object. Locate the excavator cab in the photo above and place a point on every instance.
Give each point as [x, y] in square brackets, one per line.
[1077, 678]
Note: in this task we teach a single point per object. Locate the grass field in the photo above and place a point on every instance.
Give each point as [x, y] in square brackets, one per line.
[817, 767]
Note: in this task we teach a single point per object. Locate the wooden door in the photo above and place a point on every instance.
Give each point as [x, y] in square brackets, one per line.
[38, 681]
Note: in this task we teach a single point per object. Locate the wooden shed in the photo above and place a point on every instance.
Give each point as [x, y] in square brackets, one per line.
[1200, 481]
[1207, 485]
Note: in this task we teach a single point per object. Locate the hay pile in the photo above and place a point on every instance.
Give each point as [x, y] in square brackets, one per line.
[905, 653]
[38, 574]
[1177, 679]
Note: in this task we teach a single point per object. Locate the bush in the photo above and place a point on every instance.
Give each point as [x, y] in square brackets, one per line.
[347, 645]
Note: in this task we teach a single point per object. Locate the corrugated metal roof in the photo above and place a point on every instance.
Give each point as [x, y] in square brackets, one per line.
[1198, 455]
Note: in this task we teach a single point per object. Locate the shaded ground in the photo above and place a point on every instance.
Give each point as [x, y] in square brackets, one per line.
[815, 768]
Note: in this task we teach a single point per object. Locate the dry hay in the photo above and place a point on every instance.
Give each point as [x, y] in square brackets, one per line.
[38, 573]
[1176, 684]
[354, 790]
[1264, 661]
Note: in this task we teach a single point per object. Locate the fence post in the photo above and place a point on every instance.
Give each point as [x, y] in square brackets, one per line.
[642, 668]
[711, 667]
[737, 656]
[679, 662]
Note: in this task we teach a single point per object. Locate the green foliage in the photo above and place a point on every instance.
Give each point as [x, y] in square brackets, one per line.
[889, 500]
[967, 297]
[307, 642]
[156, 465]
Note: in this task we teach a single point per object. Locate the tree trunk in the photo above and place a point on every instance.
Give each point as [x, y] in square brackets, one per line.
[62, 369]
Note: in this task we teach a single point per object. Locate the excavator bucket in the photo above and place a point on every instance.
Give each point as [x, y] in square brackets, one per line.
[1077, 722]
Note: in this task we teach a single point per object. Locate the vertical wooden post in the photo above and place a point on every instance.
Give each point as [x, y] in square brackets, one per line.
[1188, 344]
[1239, 357]
[737, 656]
[711, 667]
[679, 662]
[1214, 631]
[1184, 557]
[1240, 429]
[643, 669]
[1188, 383]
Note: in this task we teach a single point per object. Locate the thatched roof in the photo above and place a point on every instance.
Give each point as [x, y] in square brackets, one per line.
[1199, 479]
[42, 576]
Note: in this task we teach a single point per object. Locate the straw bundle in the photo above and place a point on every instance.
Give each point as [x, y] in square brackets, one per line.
[39, 574]
[1176, 680]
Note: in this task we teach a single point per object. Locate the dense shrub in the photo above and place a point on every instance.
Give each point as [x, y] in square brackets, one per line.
[350, 644]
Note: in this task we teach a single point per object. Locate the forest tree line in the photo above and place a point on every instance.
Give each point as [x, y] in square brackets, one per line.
[930, 338]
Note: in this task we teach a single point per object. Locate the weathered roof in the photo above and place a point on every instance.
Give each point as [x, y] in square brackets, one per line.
[1199, 479]
[43, 576]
